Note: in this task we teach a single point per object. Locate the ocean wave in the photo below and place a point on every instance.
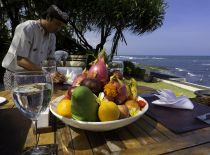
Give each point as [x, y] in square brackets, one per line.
[180, 69]
[158, 58]
[129, 58]
[123, 57]
[191, 74]
[205, 64]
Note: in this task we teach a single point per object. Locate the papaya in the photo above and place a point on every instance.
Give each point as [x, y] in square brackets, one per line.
[84, 105]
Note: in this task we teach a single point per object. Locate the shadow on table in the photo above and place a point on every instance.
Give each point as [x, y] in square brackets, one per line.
[14, 129]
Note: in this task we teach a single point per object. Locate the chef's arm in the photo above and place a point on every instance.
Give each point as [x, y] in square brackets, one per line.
[27, 64]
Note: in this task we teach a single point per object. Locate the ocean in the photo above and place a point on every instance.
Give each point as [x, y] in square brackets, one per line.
[196, 69]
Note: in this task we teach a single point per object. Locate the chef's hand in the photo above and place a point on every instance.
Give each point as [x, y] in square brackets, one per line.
[27, 64]
[58, 77]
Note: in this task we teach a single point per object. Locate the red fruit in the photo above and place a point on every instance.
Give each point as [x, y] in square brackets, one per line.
[79, 78]
[99, 70]
[66, 94]
[141, 103]
[93, 84]
[70, 91]
[122, 94]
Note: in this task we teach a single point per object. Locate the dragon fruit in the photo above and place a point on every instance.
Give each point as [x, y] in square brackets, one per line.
[116, 90]
[79, 78]
[99, 69]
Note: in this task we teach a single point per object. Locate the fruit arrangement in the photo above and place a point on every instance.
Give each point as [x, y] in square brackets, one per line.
[97, 95]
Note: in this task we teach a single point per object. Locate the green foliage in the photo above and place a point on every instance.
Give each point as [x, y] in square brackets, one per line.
[103, 16]
[4, 44]
[131, 70]
[139, 72]
[161, 85]
[129, 67]
[109, 18]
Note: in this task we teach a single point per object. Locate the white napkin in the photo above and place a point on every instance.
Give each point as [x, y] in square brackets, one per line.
[43, 119]
[70, 76]
[168, 99]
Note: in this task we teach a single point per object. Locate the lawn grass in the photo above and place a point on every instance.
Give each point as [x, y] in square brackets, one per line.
[161, 85]
[150, 67]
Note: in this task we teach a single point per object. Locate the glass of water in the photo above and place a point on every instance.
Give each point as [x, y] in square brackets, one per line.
[116, 65]
[49, 66]
[32, 93]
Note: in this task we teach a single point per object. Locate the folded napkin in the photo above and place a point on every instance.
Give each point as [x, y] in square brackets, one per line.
[43, 119]
[168, 99]
[70, 75]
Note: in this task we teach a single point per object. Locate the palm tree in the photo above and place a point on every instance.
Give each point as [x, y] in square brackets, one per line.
[106, 17]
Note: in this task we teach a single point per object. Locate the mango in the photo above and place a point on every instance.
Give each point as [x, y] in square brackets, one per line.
[84, 106]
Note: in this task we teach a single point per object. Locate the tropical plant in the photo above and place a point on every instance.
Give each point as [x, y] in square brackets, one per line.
[109, 18]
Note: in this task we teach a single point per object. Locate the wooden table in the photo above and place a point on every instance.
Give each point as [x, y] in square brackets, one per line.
[145, 136]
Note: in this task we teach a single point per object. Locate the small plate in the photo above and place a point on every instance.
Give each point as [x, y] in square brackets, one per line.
[96, 126]
[205, 118]
[2, 100]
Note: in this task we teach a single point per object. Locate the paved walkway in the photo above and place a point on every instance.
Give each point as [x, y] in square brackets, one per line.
[191, 88]
[183, 84]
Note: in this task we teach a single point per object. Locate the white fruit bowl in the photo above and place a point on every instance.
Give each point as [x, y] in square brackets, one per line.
[96, 126]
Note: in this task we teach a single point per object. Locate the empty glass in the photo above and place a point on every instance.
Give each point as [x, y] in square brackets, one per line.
[116, 65]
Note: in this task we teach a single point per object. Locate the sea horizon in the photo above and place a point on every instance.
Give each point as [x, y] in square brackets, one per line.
[195, 69]
[159, 55]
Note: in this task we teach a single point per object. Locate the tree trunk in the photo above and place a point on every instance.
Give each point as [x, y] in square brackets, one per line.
[13, 14]
[115, 44]
[105, 32]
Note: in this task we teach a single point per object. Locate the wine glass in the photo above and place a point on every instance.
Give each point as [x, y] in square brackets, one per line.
[116, 65]
[32, 93]
[49, 66]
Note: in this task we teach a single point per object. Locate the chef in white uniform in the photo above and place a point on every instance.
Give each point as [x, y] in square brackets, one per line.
[33, 42]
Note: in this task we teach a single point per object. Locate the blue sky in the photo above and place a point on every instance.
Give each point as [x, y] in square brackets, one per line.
[185, 31]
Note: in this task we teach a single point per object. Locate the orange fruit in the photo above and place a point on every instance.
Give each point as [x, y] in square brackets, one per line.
[108, 111]
[64, 108]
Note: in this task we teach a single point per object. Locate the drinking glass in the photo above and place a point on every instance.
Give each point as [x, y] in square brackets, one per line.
[32, 93]
[49, 66]
[116, 65]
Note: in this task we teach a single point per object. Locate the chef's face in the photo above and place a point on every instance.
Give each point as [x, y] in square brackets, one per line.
[54, 25]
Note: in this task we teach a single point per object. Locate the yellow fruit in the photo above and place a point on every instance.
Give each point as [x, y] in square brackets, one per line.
[133, 107]
[108, 111]
[64, 108]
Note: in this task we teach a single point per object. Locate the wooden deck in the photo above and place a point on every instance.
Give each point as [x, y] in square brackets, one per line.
[143, 137]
